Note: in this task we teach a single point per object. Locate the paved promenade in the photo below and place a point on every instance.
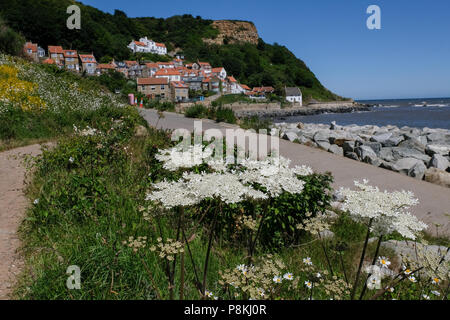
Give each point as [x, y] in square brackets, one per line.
[434, 206]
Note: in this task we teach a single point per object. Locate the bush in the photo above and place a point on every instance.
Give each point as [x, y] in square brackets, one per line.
[11, 42]
[196, 111]
[224, 115]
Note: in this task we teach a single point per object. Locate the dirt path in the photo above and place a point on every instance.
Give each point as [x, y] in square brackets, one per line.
[12, 210]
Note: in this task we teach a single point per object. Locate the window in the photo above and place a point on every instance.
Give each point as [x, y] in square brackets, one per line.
[153, 88]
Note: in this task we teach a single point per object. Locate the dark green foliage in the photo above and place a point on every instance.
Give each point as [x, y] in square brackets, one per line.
[11, 42]
[196, 111]
[256, 123]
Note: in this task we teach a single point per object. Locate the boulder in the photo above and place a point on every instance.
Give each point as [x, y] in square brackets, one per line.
[439, 162]
[388, 165]
[393, 141]
[413, 143]
[336, 150]
[437, 176]
[323, 145]
[290, 135]
[387, 154]
[322, 135]
[437, 137]
[351, 155]
[402, 152]
[348, 146]
[432, 149]
[375, 146]
[300, 125]
[411, 167]
[366, 154]
[381, 138]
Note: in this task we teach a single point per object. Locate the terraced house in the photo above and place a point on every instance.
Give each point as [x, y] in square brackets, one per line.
[56, 53]
[179, 91]
[71, 60]
[154, 88]
[31, 50]
[89, 64]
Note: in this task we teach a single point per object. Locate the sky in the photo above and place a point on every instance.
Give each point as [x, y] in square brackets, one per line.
[409, 57]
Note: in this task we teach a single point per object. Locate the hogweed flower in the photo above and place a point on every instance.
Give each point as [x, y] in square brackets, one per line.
[387, 210]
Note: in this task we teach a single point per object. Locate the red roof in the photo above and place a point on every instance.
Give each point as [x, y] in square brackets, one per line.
[105, 66]
[160, 45]
[130, 63]
[232, 79]
[86, 58]
[55, 49]
[31, 46]
[70, 53]
[141, 44]
[152, 65]
[206, 64]
[179, 85]
[49, 61]
[245, 87]
[167, 72]
[217, 70]
[152, 81]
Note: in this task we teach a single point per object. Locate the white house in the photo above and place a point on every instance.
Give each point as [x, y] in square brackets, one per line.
[220, 72]
[170, 74]
[294, 95]
[146, 45]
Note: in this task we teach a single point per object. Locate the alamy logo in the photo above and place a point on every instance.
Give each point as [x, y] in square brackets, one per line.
[374, 21]
[74, 20]
[74, 280]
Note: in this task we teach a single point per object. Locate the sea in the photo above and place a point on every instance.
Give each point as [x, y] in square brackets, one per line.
[418, 113]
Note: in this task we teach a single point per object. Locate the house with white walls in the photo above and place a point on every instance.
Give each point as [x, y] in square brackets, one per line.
[294, 95]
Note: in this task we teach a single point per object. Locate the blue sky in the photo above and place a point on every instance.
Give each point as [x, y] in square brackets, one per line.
[408, 58]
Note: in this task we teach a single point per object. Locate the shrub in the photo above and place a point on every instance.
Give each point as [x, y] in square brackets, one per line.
[196, 111]
[224, 115]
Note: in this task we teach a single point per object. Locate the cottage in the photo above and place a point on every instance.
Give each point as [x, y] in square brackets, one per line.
[161, 49]
[233, 86]
[166, 65]
[104, 68]
[71, 60]
[56, 53]
[88, 63]
[220, 72]
[150, 69]
[146, 45]
[135, 70]
[170, 74]
[154, 88]
[178, 62]
[205, 66]
[179, 91]
[294, 95]
[41, 52]
[31, 50]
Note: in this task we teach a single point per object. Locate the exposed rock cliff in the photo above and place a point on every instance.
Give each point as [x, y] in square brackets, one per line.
[234, 32]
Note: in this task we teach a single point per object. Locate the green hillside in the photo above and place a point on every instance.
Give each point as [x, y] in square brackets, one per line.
[104, 34]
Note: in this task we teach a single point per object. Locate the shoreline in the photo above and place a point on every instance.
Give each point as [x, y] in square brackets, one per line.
[423, 154]
[311, 109]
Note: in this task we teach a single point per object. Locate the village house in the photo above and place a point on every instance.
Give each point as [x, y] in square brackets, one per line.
[205, 66]
[88, 63]
[170, 74]
[179, 91]
[294, 95]
[146, 45]
[220, 72]
[104, 68]
[245, 88]
[178, 62]
[41, 52]
[166, 65]
[122, 68]
[135, 70]
[71, 60]
[233, 86]
[56, 53]
[150, 69]
[31, 50]
[154, 88]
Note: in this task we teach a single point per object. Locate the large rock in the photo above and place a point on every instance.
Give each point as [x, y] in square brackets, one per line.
[322, 135]
[324, 145]
[437, 137]
[437, 176]
[411, 167]
[381, 138]
[432, 149]
[387, 154]
[413, 144]
[336, 150]
[375, 146]
[366, 154]
[140, 131]
[351, 155]
[393, 141]
[290, 135]
[402, 152]
[348, 146]
[439, 162]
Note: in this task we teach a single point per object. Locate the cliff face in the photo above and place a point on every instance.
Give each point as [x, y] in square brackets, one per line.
[234, 32]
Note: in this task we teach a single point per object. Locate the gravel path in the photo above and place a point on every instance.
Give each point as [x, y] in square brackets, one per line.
[434, 206]
[13, 204]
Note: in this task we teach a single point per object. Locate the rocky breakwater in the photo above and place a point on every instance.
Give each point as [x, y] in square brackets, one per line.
[419, 153]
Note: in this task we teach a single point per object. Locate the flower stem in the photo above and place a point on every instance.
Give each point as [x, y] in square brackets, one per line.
[208, 251]
[380, 239]
[361, 260]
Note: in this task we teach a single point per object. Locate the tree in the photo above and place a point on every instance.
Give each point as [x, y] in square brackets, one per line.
[11, 42]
